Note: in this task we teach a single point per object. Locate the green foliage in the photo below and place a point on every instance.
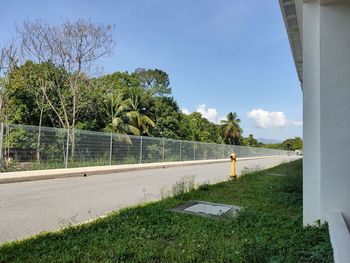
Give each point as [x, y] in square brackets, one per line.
[250, 141]
[291, 144]
[24, 92]
[139, 110]
[194, 127]
[273, 146]
[154, 81]
[166, 115]
[268, 229]
[232, 132]
[136, 103]
[109, 100]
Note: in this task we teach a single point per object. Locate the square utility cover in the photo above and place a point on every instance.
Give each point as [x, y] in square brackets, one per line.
[206, 209]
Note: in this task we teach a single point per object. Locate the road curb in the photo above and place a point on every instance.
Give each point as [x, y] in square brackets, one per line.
[27, 176]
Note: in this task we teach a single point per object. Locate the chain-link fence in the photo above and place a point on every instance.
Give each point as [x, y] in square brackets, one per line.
[29, 147]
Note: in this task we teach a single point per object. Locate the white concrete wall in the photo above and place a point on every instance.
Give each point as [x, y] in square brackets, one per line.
[326, 89]
[311, 112]
[335, 108]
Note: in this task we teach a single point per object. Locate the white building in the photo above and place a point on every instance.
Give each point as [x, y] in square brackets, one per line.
[319, 35]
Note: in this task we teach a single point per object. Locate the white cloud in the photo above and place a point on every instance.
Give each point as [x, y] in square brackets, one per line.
[210, 114]
[297, 123]
[271, 119]
[185, 111]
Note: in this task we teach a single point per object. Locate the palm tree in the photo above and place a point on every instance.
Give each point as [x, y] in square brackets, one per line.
[138, 111]
[116, 109]
[231, 129]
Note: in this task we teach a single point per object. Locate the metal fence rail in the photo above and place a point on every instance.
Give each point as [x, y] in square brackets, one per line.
[26, 147]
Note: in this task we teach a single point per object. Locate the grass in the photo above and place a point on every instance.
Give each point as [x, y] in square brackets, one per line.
[15, 166]
[268, 229]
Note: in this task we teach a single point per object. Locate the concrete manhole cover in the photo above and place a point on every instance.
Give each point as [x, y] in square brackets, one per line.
[206, 209]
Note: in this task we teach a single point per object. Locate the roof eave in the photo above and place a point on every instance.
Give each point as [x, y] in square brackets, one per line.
[292, 16]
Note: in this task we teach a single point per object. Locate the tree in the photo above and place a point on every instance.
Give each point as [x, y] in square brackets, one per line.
[55, 87]
[24, 88]
[166, 115]
[250, 141]
[214, 131]
[9, 58]
[35, 41]
[93, 115]
[138, 110]
[8, 61]
[153, 80]
[292, 144]
[74, 46]
[231, 129]
[26, 98]
[195, 127]
[187, 128]
[116, 109]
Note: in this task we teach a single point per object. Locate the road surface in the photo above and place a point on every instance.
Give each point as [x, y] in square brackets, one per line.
[29, 208]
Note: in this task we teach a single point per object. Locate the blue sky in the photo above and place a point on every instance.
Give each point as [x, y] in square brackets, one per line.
[222, 56]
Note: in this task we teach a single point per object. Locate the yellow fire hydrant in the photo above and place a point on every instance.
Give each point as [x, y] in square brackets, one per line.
[233, 174]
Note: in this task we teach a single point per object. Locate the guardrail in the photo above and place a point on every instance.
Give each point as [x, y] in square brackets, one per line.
[26, 147]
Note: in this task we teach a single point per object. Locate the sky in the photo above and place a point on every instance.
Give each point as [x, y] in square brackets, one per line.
[221, 56]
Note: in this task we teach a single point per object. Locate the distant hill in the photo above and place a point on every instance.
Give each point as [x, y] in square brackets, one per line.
[268, 141]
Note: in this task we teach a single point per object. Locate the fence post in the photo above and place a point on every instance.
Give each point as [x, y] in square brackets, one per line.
[8, 141]
[194, 151]
[163, 150]
[205, 151]
[1, 140]
[140, 149]
[110, 149]
[67, 148]
[180, 149]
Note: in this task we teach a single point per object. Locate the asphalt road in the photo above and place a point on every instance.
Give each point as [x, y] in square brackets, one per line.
[29, 208]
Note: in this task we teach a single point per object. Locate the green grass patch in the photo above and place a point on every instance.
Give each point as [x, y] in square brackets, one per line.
[268, 229]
